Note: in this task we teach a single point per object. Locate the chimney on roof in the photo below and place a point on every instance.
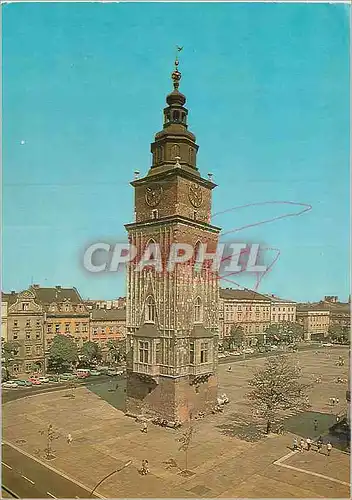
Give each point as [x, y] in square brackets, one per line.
[331, 298]
[58, 287]
[36, 285]
[13, 292]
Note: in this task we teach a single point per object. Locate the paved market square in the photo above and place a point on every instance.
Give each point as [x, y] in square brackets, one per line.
[229, 455]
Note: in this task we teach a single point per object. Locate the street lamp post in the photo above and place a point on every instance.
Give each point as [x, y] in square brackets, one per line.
[106, 477]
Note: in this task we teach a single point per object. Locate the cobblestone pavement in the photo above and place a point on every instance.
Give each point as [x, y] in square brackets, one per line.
[229, 455]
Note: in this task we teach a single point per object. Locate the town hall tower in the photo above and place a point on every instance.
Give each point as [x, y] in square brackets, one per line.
[172, 322]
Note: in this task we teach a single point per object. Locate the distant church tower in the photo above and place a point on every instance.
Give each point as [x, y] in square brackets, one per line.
[172, 317]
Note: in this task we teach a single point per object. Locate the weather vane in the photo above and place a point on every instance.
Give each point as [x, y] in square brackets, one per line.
[176, 75]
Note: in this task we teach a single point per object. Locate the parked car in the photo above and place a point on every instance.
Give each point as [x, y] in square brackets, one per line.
[273, 347]
[24, 383]
[34, 380]
[327, 344]
[248, 350]
[67, 376]
[44, 380]
[114, 373]
[10, 384]
[82, 372]
[54, 378]
[236, 353]
[94, 373]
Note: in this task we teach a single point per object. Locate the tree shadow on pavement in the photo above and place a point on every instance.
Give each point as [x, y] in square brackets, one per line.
[243, 428]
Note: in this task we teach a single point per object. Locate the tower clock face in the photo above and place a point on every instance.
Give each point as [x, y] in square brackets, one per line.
[153, 195]
[195, 195]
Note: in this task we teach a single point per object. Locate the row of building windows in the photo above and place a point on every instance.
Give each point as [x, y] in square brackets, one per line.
[28, 336]
[144, 355]
[287, 309]
[247, 328]
[29, 324]
[29, 350]
[29, 366]
[231, 307]
[247, 316]
[78, 327]
[25, 306]
[284, 317]
[103, 331]
[150, 310]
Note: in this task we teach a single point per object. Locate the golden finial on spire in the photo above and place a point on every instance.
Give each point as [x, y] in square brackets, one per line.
[176, 75]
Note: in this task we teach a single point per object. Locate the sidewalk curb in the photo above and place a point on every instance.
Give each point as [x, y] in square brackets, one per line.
[57, 471]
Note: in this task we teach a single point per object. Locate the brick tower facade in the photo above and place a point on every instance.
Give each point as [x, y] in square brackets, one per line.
[172, 314]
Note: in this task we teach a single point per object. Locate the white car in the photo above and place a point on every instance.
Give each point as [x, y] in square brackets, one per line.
[10, 384]
[248, 351]
[44, 380]
[236, 353]
[327, 344]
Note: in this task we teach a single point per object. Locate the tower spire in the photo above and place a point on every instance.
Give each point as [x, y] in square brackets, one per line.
[176, 75]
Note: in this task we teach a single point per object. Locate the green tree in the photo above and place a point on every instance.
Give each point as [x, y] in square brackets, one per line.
[338, 333]
[277, 388]
[237, 336]
[8, 353]
[63, 354]
[91, 354]
[185, 440]
[286, 331]
[273, 334]
[117, 350]
[292, 332]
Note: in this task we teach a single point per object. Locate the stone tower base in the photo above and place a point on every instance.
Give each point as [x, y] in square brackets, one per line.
[171, 398]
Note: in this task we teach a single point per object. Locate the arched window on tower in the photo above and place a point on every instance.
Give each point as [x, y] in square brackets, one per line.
[191, 156]
[176, 116]
[150, 310]
[175, 151]
[183, 117]
[197, 260]
[198, 312]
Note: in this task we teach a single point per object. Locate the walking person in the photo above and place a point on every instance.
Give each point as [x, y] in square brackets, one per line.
[328, 448]
[315, 425]
[319, 444]
[302, 444]
[309, 443]
[144, 427]
[145, 468]
[69, 439]
[295, 444]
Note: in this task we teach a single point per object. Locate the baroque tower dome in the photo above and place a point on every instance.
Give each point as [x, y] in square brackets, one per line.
[175, 145]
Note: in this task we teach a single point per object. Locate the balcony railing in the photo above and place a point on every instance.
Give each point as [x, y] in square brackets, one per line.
[146, 369]
[201, 369]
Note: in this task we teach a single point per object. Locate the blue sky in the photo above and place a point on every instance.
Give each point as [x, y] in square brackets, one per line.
[267, 89]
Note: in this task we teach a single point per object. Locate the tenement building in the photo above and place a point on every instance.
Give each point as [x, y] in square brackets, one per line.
[107, 325]
[282, 310]
[25, 332]
[315, 319]
[64, 313]
[245, 308]
[172, 310]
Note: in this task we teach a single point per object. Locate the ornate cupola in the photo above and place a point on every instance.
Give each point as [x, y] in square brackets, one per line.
[175, 145]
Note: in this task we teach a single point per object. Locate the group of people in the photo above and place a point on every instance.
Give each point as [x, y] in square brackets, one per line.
[307, 445]
[145, 468]
[333, 401]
